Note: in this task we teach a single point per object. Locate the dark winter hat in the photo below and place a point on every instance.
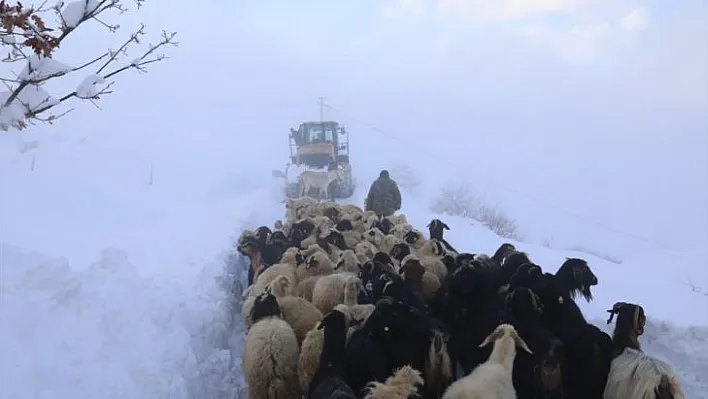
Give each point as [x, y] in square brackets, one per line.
[384, 174]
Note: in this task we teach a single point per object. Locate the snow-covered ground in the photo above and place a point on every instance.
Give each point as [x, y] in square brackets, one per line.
[112, 287]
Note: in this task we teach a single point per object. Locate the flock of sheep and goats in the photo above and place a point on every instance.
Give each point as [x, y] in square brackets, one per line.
[345, 304]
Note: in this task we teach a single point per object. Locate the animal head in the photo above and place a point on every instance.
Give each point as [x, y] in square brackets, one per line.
[503, 251]
[334, 320]
[464, 259]
[388, 316]
[304, 227]
[335, 238]
[279, 239]
[523, 301]
[630, 317]
[315, 260]
[265, 305]
[577, 274]
[263, 233]
[400, 251]
[412, 270]
[436, 227]
[383, 258]
[249, 245]
[279, 287]
[347, 258]
[506, 332]
[526, 275]
[344, 225]
[332, 213]
[385, 225]
[412, 237]
[515, 259]
[374, 235]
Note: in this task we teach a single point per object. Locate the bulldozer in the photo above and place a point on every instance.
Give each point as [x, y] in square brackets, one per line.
[318, 146]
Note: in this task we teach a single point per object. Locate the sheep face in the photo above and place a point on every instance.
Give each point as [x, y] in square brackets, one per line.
[265, 305]
[336, 238]
[383, 258]
[577, 274]
[304, 227]
[249, 247]
[263, 233]
[348, 261]
[412, 237]
[400, 251]
[505, 331]
[374, 236]
[344, 225]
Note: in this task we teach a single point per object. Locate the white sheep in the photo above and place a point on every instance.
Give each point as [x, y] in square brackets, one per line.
[333, 289]
[270, 354]
[634, 374]
[347, 262]
[491, 379]
[298, 312]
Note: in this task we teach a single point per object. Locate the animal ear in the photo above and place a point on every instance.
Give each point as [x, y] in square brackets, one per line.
[639, 319]
[520, 342]
[445, 226]
[495, 335]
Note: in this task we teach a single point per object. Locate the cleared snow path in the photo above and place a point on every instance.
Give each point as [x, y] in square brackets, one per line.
[110, 330]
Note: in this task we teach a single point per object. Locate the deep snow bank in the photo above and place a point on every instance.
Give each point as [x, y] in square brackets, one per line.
[107, 332]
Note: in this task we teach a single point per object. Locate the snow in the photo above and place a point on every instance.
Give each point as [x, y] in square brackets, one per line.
[114, 288]
[41, 68]
[87, 88]
[75, 11]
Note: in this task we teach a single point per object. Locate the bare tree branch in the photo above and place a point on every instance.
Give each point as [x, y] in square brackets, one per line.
[30, 41]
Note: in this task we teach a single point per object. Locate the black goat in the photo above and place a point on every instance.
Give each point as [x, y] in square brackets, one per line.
[588, 349]
[435, 228]
[576, 275]
[502, 252]
[329, 380]
[537, 375]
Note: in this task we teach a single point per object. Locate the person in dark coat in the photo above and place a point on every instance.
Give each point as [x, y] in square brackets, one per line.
[384, 196]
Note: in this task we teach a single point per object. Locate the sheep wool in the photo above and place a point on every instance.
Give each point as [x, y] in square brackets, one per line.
[270, 356]
[634, 374]
[402, 384]
[309, 359]
[329, 291]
